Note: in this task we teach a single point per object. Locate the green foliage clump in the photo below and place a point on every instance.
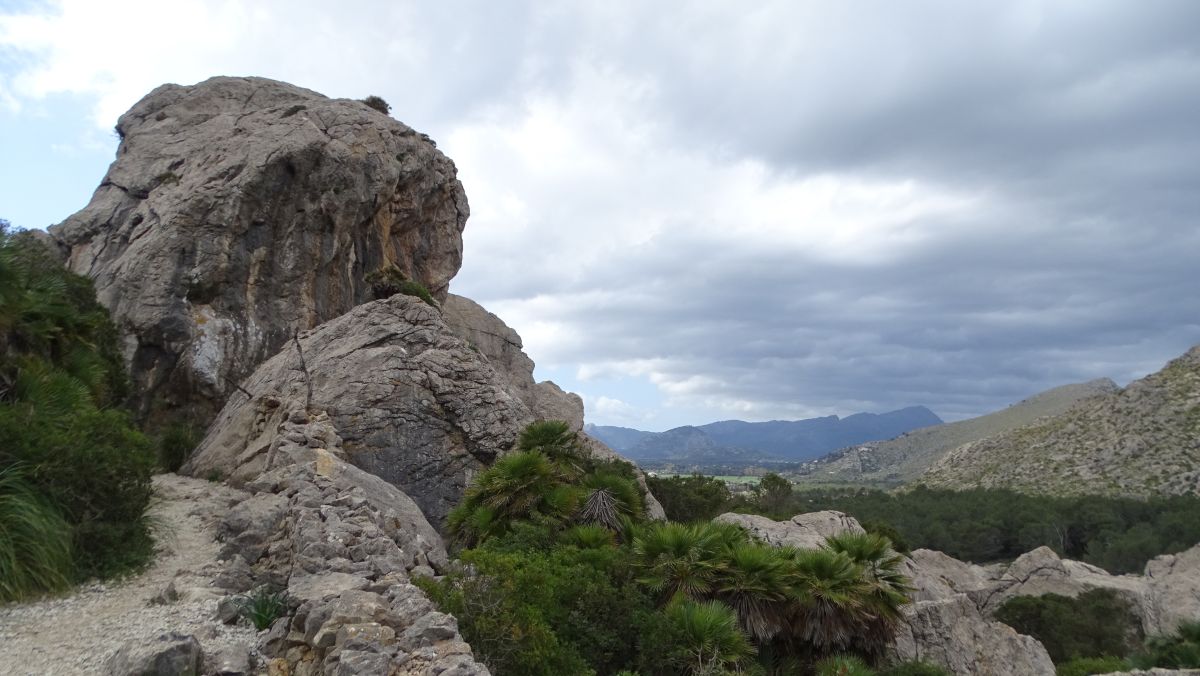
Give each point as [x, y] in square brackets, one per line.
[774, 494]
[61, 378]
[914, 668]
[262, 607]
[843, 665]
[688, 498]
[1098, 623]
[378, 103]
[175, 444]
[1180, 650]
[35, 541]
[390, 280]
[1087, 666]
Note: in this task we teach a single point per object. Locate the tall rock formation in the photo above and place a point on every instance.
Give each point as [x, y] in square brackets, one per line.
[240, 210]
[413, 403]
[1140, 441]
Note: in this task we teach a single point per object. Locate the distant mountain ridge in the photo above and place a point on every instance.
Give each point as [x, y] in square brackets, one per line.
[1139, 441]
[795, 440]
[907, 456]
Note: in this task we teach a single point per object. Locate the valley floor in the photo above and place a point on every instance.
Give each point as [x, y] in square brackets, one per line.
[76, 634]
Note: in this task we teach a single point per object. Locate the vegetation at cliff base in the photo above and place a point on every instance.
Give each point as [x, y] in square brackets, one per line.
[562, 573]
[70, 455]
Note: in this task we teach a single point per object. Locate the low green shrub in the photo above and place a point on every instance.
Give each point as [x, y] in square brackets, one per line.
[378, 103]
[390, 280]
[914, 668]
[263, 606]
[842, 665]
[1087, 666]
[1097, 623]
[175, 444]
[1180, 650]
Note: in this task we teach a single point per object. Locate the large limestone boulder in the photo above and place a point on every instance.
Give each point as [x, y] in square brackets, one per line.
[408, 401]
[953, 633]
[805, 531]
[239, 210]
[411, 402]
[1174, 591]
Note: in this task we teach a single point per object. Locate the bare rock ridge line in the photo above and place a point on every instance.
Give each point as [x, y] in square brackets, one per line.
[909, 455]
[239, 210]
[1139, 441]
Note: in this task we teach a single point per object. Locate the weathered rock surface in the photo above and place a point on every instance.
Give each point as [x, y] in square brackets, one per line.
[1141, 441]
[239, 210]
[806, 531]
[955, 635]
[1166, 595]
[408, 401]
[168, 655]
[342, 543]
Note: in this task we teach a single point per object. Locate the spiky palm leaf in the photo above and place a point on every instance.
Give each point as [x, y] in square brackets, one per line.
[681, 560]
[831, 598]
[589, 536]
[35, 540]
[754, 583]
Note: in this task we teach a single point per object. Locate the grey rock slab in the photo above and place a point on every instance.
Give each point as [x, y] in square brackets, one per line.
[168, 654]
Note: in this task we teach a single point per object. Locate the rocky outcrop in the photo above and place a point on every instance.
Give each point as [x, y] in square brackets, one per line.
[1166, 595]
[344, 545]
[410, 401]
[952, 633]
[1141, 441]
[239, 210]
[491, 337]
[941, 625]
[805, 531]
[168, 655]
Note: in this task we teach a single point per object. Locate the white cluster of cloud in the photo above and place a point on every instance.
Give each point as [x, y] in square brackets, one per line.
[776, 211]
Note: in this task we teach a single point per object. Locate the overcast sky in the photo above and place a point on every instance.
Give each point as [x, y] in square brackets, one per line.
[728, 210]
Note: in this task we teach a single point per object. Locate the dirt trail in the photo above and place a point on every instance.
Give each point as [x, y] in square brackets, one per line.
[76, 634]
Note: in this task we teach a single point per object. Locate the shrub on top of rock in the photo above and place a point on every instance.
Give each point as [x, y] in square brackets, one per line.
[378, 103]
[389, 281]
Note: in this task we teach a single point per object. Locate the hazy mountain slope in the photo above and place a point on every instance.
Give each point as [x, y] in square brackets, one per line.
[1143, 440]
[619, 439]
[776, 439]
[906, 457]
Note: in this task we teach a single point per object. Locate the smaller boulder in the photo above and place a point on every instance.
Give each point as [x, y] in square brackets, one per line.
[169, 654]
[804, 531]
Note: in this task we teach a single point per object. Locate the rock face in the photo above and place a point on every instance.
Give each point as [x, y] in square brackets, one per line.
[953, 633]
[805, 531]
[239, 210]
[344, 544]
[1166, 595]
[1141, 441]
[410, 401]
[488, 334]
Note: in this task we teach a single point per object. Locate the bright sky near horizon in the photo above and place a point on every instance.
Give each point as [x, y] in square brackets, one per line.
[727, 210]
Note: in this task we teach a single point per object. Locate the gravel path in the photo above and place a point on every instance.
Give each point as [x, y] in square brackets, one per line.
[75, 634]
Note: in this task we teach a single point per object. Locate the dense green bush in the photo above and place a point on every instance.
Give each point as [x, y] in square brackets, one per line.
[61, 378]
[175, 444]
[690, 498]
[1180, 650]
[1087, 666]
[378, 103]
[1098, 623]
[390, 280]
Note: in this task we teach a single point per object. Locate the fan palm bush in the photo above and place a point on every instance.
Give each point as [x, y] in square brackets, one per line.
[889, 587]
[35, 540]
[710, 641]
[519, 486]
